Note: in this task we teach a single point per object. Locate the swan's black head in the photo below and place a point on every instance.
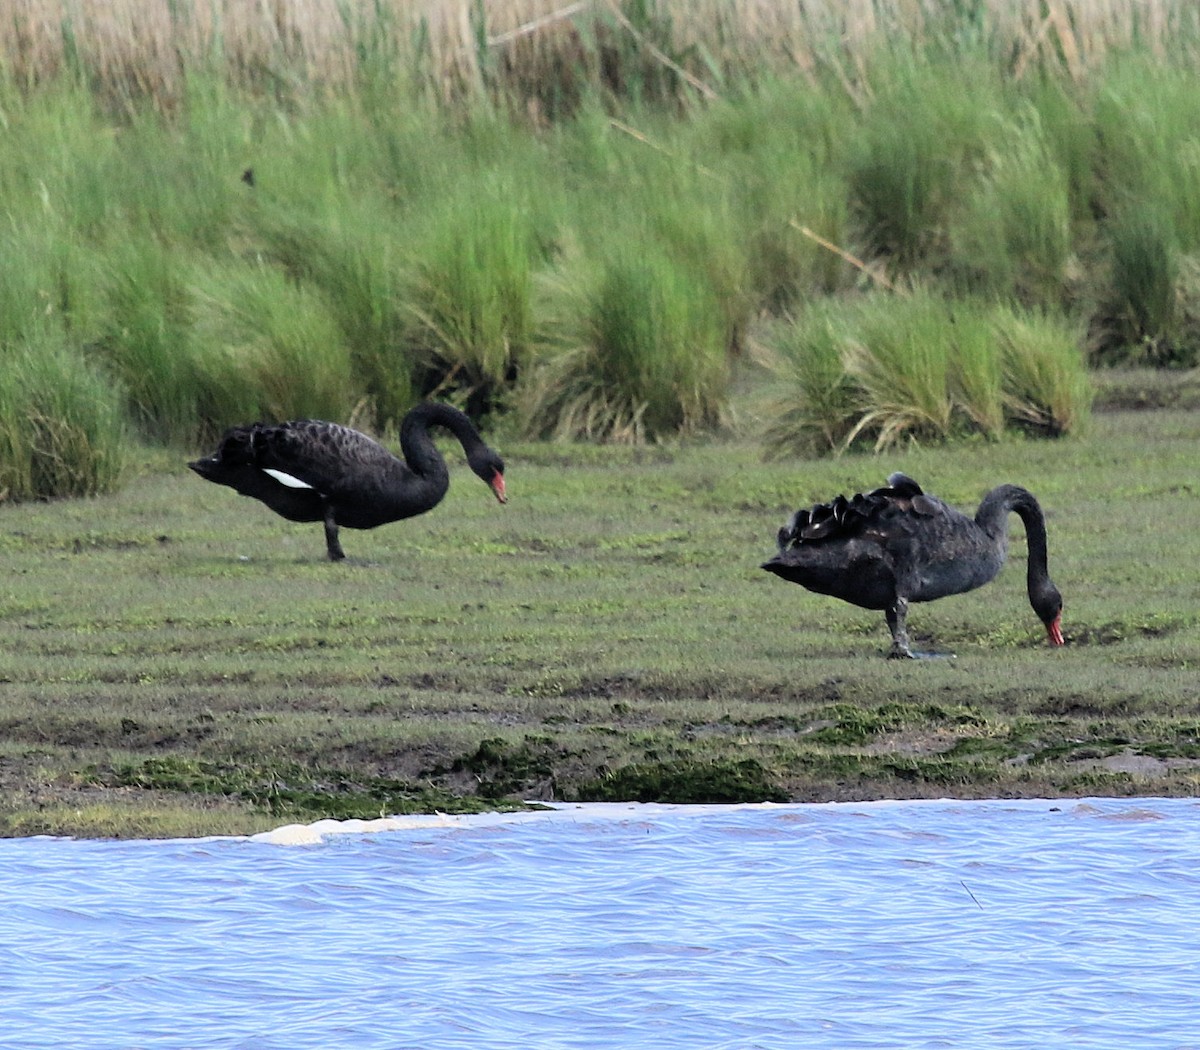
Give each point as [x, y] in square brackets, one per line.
[1048, 603]
[490, 467]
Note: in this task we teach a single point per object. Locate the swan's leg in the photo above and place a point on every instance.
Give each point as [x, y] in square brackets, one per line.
[897, 614]
[897, 617]
[332, 544]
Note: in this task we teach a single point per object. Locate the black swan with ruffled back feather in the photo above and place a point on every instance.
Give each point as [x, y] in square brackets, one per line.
[310, 470]
[897, 545]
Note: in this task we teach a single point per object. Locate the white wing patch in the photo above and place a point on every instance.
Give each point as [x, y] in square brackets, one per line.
[286, 479]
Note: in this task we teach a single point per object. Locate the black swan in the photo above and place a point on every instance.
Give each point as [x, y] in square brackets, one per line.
[308, 470]
[897, 545]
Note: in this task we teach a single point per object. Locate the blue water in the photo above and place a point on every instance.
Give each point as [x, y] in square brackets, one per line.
[884, 925]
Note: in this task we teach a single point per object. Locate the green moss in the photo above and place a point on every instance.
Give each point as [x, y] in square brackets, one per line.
[501, 767]
[1079, 750]
[287, 791]
[848, 725]
[684, 781]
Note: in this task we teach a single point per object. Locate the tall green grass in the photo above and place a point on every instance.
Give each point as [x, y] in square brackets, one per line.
[777, 152]
[148, 339]
[1147, 115]
[359, 271]
[1063, 119]
[279, 342]
[470, 327]
[596, 269]
[920, 138]
[1047, 390]
[641, 351]
[1145, 269]
[815, 406]
[1013, 238]
[61, 424]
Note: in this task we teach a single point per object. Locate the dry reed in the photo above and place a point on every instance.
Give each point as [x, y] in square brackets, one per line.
[528, 50]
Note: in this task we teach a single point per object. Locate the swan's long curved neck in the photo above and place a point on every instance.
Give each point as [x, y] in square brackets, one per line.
[420, 452]
[992, 518]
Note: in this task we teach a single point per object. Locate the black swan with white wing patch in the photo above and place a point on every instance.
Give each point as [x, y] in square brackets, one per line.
[310, 470]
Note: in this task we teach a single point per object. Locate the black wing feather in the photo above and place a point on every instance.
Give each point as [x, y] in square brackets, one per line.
[327, 456]
[842, 517]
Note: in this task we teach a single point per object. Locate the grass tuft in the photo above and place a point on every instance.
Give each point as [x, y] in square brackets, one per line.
[1013, 238]
[471, 302]
[816, 406]
[61, 426]
[1142, 322]
[1047, 389]
[899, 360]
[642, 353]
[921, 133]
[890, 369]
[273, 339]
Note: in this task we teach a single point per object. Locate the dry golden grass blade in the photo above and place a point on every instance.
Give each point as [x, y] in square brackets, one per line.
[658, 55]
[1057, 16]
[539, 23]
[853, 260]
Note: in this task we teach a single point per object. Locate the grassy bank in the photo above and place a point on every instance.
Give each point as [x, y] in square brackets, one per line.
[176, 660]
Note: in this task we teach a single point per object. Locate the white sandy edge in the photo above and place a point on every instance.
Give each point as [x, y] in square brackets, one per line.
[307, 834]
[319, 831]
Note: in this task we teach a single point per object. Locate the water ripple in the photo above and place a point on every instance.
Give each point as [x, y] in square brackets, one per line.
[916, 925]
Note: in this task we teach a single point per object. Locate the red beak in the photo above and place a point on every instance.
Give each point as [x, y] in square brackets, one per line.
[498, 487]
[1054, 630]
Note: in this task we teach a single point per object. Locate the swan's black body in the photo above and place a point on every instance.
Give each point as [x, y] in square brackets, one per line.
[309, 470]
[896, 545]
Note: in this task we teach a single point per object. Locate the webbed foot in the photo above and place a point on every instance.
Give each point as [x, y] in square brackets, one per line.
[905, 653]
